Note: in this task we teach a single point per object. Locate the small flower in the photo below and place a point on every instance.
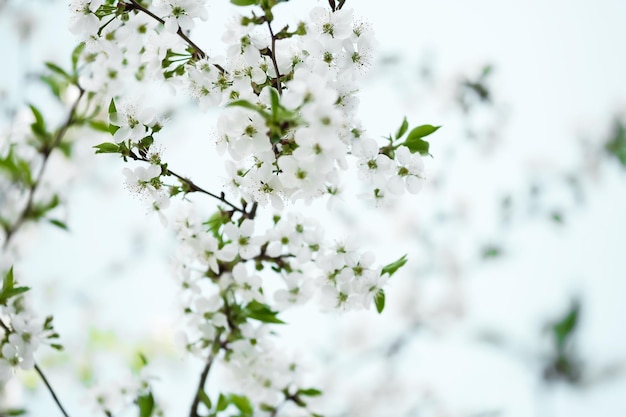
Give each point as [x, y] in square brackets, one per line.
[408, 174]
[180, 13]
[249, 285]
[132, 122]
[143, 180]
[247, 246]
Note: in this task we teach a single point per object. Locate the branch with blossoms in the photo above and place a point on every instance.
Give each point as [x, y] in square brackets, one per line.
[288, 128]
[26, 175]
[28, 198]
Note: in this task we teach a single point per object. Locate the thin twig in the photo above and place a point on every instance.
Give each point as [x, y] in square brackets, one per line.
[195, 188]
[273, 56]
[135, 5]
[54, 396]
[9, 232]
[193, 412]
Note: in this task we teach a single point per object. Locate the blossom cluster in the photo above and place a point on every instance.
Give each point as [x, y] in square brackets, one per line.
[288, 128]
[22, 331]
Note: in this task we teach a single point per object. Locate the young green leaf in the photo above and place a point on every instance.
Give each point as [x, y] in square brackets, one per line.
[58, 70]
[417, 145]
[275, 102]
[394, 266]
[262, 312]
[242, 403]
[39, 126]
[244, 2]
[14, 412]
[379, 300]
[112, 108]
[146, 405]
[422, 131]
[564, 329]
[403, 128]
[204, 398]
[222, 403]
[58, 223]
[414, 140]
[107, 147]
[76, 55]
[310, 392]
[9, 289]
[247, 105]
[99, 125]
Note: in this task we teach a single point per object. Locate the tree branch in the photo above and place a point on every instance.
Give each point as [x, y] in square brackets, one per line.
[10, 232]
[195, 188]
[193, 412]
[198, 52]
[273, 57]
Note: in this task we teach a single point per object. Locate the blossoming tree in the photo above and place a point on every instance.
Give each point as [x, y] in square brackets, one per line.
[288, 129]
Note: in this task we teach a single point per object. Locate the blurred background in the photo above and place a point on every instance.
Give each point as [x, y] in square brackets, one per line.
[513, 302]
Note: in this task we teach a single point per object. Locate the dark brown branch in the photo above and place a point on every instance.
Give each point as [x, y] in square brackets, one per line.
[198, 52]
[54, 396]
[45, 153]
[193, 412]
[273, 57]
[195, 188]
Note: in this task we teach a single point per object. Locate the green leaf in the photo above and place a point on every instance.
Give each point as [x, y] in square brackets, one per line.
[418, 145]
[247, 105]
[616, 146]
[76, 55]
[58, 70]
[403, 128]
[55, 85]
[217, 220]
[414, 140]
[242, 403]
[222, 403]
[13, 412]
[107, 147]
[379, 300]
[310, 392]
[557, 217]
[39, 127]
[65, 148]
[99, 125]
[204, 398]
[422, 131]
[18, 169]
[146, 405]
[394, 266]
[112, 108]
[58, 223]
[9, 281]
[491, 251]
[9, 289]
[112, 116]
[262, 312]
[564, 329]
[244, 2]
[275, 102]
